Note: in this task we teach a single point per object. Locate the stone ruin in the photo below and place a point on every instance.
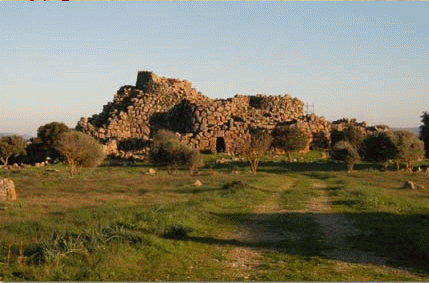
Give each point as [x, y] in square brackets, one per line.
[126, 125]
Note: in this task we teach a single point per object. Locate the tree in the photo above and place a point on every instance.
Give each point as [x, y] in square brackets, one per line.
[351, 134]
[49, 133]
[409, 147]
[167, 150]
[260, 141]
[379, 147]
[79, 150]
[345, 152]
[424, 130]
[11, 146]
[290, 139]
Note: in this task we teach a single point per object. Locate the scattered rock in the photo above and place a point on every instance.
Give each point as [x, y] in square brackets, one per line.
[198, 183]
[25, 165]
[52, 170]
[412, 185]
[7, 190]
[151, 171]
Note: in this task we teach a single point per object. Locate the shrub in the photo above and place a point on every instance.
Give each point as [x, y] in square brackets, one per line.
[352, 134]
[290, 139]
[409, 147]
[260, 141]
[168, 150]
[379, 147]
[424, 130]
[345, 152]
[11, 146]
[79, 150]
[46, 141]
[49, 133]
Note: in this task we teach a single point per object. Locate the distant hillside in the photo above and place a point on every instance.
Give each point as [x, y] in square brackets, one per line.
[415, 131]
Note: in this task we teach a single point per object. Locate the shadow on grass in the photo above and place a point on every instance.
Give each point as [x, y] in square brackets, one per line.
[400, 239]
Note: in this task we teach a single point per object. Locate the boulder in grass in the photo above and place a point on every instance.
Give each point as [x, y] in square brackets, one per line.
[152, 171]
[198, 183]
[7, 190]
[412, 186]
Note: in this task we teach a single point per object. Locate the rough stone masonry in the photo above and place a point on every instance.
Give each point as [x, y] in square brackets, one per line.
[209, 125]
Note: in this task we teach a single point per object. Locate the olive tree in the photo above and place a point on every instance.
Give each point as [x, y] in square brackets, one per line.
[11, 146]
[260, 141]
[344, 151]
[379, 147]
[290, 139]
[79, 150]
[409, 147]
[49, 133]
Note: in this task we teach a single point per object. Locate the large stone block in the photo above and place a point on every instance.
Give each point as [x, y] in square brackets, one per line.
[7, 190]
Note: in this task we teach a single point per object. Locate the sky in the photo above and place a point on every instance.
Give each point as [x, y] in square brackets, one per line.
[60, 61]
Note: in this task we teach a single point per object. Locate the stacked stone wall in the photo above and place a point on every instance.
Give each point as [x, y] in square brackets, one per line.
[136, 112]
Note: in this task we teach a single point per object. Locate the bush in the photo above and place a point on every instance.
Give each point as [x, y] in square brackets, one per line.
[79, 150]
[290, 139]
[168, 150]
[424, 130]
[409, 147]
[379, 147]
[11, 146]
[47, 139]
[49, 133]
[352, 134]
[260, 141]
[345, 152]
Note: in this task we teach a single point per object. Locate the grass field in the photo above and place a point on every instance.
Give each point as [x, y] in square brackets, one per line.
[301, 221]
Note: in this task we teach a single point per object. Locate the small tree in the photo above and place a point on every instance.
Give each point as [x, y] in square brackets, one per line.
[11, 146]
[345, 152]
[290, 139]
[380, 147]
[260, 141]
[424, 130]
[79, 150]
[168, 150]
[409, 147]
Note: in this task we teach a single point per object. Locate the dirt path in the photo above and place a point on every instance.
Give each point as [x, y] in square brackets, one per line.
[336, 228]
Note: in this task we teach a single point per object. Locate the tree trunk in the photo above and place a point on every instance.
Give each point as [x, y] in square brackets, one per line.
[4, 160]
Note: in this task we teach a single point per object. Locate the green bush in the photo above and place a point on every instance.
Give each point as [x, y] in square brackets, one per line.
[345, 152]
[424, 130]
[379, 147]
[49, 133]
[352, 134]
[11, 146]
[167, 150]
[290, 139]
[79, 150]
[409, 147]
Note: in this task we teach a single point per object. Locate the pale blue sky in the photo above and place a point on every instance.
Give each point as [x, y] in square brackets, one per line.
[60, 61]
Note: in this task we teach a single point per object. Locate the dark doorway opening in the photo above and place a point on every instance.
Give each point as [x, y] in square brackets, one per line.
[220, 145]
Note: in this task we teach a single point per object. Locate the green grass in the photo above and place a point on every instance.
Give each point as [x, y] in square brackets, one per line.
[112, 223]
